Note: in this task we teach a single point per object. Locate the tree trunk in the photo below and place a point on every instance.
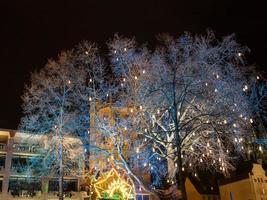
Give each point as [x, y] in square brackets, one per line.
[45, 184]
[180, 178]
[61, 173]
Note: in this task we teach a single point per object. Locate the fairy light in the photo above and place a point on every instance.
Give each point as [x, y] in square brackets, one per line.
[239, 54]
[234, 125]
[90, 98]
[260, 148]
[125, 49]
[124, 79]
[225, 121]
[217, 76]
[206, 84]
[183, 169]
[251, 120]
[195, 174]
[190, 164]
[236, 140]
[86, 52]
[137, 150]
[215, 90]
[144, 71]
[69, 82]
[117, 59]
[131, 110]
[135, 77]
[258, 77]
[208, 144]
[191, 148]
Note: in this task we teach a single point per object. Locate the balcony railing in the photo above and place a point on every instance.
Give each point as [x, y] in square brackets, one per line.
[25, 149]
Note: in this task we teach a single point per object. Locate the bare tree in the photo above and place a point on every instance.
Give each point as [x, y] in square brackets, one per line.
[189, 99]
[56, 107]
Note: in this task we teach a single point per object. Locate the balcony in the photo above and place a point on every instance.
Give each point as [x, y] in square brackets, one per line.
[28, 150]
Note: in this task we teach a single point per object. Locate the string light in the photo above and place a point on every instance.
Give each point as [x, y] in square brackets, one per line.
[225, 121]
[182, 168]
[69, 81]
[125, 49]
[239, 54]
[144, 71]
[258, 78]
[135, 77]
[251, 120]
[86, 52]
[90, 98]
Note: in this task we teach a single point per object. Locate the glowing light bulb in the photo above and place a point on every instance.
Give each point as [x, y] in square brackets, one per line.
[217, 76]
[182, 168]
[260, 148]
[251, 120]
[69, 82]
[115, 51]
[125, 49]
[135, 77]
[225, 121]
[144, 71]
[90, 98]
[239, 54]
[258, 78]
[86, 52]
[206, 84]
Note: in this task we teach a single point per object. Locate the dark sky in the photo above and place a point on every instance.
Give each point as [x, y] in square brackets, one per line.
[31, 31]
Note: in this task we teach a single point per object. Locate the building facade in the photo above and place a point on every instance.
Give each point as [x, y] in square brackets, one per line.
[250, 186]
[15, 150]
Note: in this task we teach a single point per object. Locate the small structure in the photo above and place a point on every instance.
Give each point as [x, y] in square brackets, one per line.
[202, 189]
[250, 185]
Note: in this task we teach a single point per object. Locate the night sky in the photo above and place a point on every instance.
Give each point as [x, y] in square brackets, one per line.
[31, 31]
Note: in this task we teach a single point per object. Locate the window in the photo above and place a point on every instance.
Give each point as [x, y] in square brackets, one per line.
[231, 196]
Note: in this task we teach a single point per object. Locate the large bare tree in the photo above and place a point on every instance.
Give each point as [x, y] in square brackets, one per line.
[190, 101]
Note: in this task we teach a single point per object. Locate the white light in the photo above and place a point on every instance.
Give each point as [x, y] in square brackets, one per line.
[217, 76]
[107, 95]
[192, 148]
[141, 107]
[137, 150]
[236, 140]
[251, 120]
[206, 84]
[215, 90]
[69, 82]
[208, 144]
[195, 174]
[144, 71]
[90, 80]
[124, 79]
[145, 164]
[234, 125]
[135, 77]
[258, 78]
[125, 49]
[131, 110]
[117, 59]
[182, 168]
[201, 160]
[239, 54]
[190, 164]
[115, 51]
[121, 84]
[90, 98]
[158, 111]
[86, 52]
[145, 130]
[260, 148]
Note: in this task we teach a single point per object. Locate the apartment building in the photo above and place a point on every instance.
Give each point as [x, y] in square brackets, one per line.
[15, 149]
